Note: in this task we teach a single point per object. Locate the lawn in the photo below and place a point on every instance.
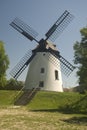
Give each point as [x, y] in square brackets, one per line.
[47, 111]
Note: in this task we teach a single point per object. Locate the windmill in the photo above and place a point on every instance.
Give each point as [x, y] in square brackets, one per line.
[45, 60]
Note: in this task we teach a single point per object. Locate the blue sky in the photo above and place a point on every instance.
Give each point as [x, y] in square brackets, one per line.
[41, 15]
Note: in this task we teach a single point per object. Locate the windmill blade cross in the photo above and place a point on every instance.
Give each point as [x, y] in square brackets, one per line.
[23, 63]
[59, 26]
[24, 29]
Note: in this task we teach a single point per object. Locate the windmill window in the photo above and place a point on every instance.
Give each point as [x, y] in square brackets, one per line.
[42, 70]
[56, 75]
[44, 54]
[41, 84]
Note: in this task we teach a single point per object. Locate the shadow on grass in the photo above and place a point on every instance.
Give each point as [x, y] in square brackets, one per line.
[45, 110]
[76, 120]
[63, 111]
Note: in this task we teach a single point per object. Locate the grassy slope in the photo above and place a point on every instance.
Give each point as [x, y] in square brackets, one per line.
[53, 101]
[6, 97]
[63, 102]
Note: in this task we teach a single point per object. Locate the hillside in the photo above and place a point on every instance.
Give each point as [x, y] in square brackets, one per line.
[49, 101]
[63, 102]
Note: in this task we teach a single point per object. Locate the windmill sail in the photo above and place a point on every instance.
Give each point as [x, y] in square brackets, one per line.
[59, 26]
[66, 67]
[24, 29]
[23, 63]
[51, 35]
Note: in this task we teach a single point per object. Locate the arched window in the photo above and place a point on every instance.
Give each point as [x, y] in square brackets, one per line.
[56, 75]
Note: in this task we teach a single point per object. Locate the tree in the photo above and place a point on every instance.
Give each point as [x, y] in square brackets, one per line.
[80, 58]
[13, 84]
[4, 63]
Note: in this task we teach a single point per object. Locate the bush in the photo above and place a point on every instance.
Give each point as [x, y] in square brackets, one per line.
[13, 85]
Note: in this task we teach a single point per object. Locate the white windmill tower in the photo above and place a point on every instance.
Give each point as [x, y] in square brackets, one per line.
[45, 60]
[43, 72]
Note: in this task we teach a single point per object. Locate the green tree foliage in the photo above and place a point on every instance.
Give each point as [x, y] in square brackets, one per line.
[4, 63]
[80, 58]
[12, 84]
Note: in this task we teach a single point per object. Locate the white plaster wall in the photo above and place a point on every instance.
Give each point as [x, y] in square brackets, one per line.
[50, 64]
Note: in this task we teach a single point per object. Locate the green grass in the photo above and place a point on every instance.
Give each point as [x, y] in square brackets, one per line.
[63, 102]
[47, 111]
[6, 97]
[52, 101]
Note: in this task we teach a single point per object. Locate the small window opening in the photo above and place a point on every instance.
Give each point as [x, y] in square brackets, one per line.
[41, 84]
[44, 54]
[56, 75]
[42, 70]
